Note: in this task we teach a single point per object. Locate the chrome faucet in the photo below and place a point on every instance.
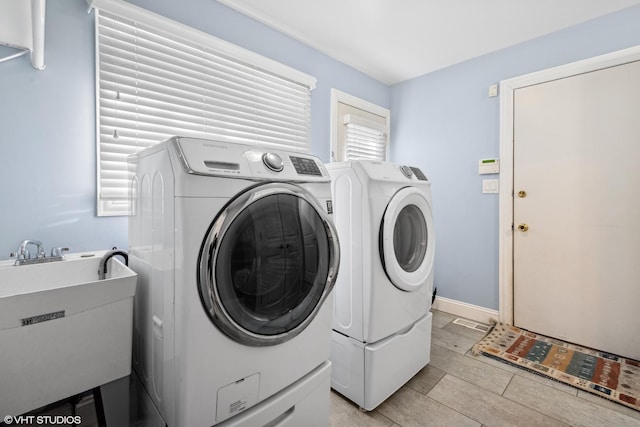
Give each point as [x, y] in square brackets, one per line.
[23, 256]
[102, 270]
[22, 249]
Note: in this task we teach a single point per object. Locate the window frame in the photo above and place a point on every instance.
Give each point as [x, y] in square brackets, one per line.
[338, 97]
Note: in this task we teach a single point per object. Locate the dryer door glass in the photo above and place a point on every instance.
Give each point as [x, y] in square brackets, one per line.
[272, 265]
[410, 238]
[406, 239]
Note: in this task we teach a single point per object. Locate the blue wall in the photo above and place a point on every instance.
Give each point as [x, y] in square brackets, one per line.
[47, 165]
[444, 122]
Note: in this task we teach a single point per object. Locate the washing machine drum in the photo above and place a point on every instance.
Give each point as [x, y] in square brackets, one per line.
[406, 240]
[268, 262]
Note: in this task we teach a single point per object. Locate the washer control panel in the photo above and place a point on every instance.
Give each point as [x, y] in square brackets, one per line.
[305, 166]
[217, 158]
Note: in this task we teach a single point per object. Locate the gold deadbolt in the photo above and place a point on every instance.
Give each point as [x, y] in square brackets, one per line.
[523, 227]
[522, 194]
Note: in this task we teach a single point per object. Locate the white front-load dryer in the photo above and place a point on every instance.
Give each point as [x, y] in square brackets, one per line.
[236, 256]
[382, 298]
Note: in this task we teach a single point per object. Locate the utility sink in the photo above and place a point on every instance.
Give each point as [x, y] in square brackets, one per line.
[62, 330]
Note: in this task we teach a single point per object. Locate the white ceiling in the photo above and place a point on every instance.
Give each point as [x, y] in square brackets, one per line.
[396, 40]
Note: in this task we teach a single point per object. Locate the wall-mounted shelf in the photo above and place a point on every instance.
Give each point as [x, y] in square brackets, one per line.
[22, 28]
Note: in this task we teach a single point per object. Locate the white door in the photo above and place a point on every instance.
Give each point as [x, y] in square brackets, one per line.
[576, 209]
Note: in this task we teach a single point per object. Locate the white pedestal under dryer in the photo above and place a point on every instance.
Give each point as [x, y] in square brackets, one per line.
[382, 323]
[236, 255]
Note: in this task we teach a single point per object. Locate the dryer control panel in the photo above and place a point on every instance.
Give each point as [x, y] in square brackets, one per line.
[418, 173]
[385, 171]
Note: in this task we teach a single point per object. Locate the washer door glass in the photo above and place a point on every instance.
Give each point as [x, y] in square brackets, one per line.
[268, 263]
[406, 239]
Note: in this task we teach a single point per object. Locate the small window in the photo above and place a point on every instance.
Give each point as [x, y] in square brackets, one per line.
[360, 129]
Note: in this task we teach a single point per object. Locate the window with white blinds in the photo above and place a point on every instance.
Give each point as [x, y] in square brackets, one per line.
[364, 139]
[359, 129]
[157, 78]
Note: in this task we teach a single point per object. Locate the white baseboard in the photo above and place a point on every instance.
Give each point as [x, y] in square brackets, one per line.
[466, 310]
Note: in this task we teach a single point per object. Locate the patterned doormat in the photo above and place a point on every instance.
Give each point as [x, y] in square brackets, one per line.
[606, 375]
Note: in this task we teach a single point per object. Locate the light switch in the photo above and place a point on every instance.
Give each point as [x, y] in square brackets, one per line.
[490, 186]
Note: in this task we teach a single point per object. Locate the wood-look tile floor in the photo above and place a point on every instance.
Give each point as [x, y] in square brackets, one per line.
[454, 389]
[459, 389]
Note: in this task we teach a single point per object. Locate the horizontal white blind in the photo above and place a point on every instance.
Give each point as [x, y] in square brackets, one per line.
[154, 84]
[365, 140]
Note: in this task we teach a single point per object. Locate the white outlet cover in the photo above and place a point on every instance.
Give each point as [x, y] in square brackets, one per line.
[490, 186]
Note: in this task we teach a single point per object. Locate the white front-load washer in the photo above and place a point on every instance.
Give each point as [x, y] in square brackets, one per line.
[382, 298]
[236, 255]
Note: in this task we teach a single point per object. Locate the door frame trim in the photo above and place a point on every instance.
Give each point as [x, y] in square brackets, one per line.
[505, 214]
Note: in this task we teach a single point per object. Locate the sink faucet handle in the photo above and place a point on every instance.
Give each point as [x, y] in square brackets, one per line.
[20, 255]
[58, 251]
[41, 252]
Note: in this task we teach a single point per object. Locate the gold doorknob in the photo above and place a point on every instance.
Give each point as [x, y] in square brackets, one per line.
[522, 193]
[523, 227]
